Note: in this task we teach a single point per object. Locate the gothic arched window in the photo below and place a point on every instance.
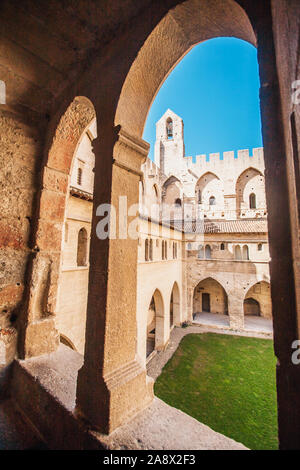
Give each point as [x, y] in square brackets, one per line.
[199, 197]
[245, 252]
[252, 201]
[169, 128]
[151, 250]
[238, 252]
[212, 201]
[82, 247]
[208, 252]
[146, 249]
[79, 176]
[200, 254]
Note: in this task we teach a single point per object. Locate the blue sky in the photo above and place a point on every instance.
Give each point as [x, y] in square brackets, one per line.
[215, 90]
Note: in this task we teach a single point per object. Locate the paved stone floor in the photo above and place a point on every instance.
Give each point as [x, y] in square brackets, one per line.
[211, 319]
[15, 431]
[151, 429]
[162, 427]
[252, 323]
[258, 324]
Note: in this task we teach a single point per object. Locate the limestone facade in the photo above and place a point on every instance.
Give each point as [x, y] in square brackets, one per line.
[193, 256]
[72, 67]
[218, 205]
[74, 270]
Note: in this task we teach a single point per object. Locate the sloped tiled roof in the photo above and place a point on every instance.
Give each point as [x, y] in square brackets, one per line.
[223, 226]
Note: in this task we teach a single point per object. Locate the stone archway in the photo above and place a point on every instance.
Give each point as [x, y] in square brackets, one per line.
[67, 342]
[202, 20]
[182, 28]
[171, 190]
[153, 58]
[210, 296]
[155, 323]
[72, 294]
[250, 192]
[209, 193]
[175, 306]
[258, 300]
[38, 334]
[251, 307]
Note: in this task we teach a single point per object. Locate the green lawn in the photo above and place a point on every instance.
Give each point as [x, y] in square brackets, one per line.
[226, 382]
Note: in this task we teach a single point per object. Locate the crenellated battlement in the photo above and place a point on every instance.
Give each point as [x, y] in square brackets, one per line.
[237, 159]
[222, 182]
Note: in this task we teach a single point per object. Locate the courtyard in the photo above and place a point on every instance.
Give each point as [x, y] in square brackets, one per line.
[228, 383]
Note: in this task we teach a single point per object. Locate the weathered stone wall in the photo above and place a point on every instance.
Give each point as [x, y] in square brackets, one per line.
[20, 154]
[217, 295]
[159, 275]
[261, 293]
[19, 151]
[230, 182]
[73, 279]
[235, 276]
[50, 54]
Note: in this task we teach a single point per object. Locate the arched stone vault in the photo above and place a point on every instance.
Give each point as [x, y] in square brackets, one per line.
[185, 25]
[40, 298]
[260, 291]
[177, 303]
[182, 28]
[250, 181]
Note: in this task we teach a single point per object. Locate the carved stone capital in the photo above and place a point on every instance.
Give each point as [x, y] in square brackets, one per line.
[130, 152]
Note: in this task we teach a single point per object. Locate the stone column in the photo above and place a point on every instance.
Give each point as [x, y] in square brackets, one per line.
[235, 311]
[112, 384]
[190, 301]
[276, 76]
[162, 324]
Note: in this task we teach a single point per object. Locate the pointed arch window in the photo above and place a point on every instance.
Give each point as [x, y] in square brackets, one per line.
[79, 176]
[252, 201]
[238, 252]
[212, 201]
[200, 254]
[151, 250]
[82, 247]
[199, 196]
[246, 252]
[169, 128]
[208, 252]
[147, 250]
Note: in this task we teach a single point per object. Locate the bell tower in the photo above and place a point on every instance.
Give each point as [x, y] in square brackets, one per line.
[169, 146]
